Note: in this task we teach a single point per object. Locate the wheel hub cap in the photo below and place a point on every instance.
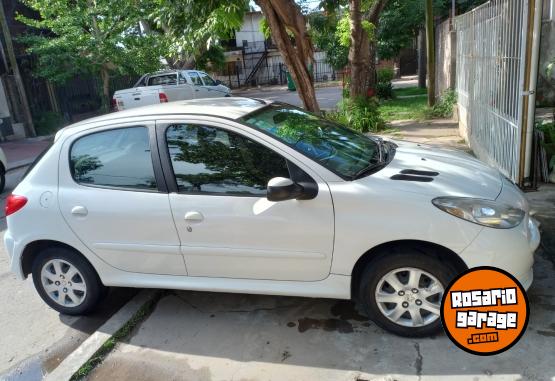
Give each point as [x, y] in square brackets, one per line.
[63, 283]
[409, 297]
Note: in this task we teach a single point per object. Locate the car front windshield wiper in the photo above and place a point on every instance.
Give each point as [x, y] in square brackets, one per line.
[374, 167]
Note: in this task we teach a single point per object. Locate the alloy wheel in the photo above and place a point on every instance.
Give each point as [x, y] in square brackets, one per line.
[409, 296]
[63, 283]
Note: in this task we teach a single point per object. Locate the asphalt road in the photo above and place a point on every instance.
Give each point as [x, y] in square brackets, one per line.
[328, 97]
[34, 338]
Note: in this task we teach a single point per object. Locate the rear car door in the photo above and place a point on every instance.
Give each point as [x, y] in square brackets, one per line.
[114, 200]
[227, 226]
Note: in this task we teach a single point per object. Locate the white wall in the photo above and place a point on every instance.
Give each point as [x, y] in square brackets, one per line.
[250, 30]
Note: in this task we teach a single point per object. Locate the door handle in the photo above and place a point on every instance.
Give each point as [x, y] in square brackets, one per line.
[79, 211]
[194, 217]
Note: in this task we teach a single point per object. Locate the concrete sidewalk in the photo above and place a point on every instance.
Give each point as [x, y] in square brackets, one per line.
[23, 152]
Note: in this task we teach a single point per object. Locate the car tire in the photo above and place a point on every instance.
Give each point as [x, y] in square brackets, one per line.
[388, 296]
[66, 281]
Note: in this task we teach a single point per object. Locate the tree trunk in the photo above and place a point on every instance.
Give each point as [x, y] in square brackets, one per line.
[422, 59]
[362, 54]
[359, 53]
[105, 75]
[430, 44]
[283, 16]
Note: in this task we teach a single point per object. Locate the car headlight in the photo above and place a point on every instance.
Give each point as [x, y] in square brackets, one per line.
[481, 212]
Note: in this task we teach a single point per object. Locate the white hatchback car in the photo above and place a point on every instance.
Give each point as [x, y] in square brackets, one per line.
[249, 196]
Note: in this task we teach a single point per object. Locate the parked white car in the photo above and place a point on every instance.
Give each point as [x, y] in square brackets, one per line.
[169, 86]
[248, 196]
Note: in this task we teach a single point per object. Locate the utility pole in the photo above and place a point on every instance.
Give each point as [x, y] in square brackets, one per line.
[28, 125]
[430, 44]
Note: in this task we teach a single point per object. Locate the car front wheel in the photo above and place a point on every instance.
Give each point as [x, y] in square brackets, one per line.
[66, 281]
[402, 292]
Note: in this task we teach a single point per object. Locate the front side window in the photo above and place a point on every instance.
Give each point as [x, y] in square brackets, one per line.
[117, 158]
[338, 148]
[215, 161]
[208, 81]
[195, 78]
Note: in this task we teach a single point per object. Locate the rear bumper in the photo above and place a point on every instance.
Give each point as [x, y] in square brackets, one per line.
[511, 250]
[14, 253]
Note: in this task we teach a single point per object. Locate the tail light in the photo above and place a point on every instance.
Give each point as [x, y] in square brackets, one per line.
[163, 98]
[14, 203]
[114, 104]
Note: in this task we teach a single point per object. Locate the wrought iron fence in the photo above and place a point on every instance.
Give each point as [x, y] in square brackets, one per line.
[491, 44]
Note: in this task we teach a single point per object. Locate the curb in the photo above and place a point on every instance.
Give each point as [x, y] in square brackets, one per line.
[89, 347]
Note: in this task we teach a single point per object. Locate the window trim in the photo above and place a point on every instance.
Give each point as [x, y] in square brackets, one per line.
[161, 186]
[166, 162]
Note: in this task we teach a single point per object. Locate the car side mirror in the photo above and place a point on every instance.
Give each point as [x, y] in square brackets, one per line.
[218, 82]
[283, 189]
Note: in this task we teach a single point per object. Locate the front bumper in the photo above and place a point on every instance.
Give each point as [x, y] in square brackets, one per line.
[511, 250]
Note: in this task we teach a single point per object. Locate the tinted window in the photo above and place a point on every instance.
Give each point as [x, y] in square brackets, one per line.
[211, 160]
[168, 79]
[195, 78]
[208, 81]
[116, 158]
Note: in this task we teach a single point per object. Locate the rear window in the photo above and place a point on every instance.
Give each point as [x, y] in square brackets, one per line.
[168, 79]
[117, 158]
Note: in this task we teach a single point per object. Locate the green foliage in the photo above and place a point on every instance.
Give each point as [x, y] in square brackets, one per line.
[384, 87]
[343, 31]
[548, 143]
[444, 106]
[48, 123]
[360, 114]
[190, 26]
[83, 36]
[323, 30]
[213, 59]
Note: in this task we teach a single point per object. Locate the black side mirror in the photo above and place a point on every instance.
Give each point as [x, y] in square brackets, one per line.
[218, 82]
[282, 189]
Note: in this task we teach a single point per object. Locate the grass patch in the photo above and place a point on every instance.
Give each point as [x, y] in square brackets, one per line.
[120, 335]
[404, 109]
[409, 91]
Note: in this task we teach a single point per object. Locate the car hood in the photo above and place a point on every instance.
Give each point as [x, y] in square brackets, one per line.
[458, 173]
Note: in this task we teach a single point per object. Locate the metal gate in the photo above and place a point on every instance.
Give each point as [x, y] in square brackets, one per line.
[492, 46]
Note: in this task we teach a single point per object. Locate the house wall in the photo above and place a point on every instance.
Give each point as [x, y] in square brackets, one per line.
[250, 30]
[445, 57]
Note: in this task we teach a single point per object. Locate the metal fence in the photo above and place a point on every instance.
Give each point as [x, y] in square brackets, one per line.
[491, 45]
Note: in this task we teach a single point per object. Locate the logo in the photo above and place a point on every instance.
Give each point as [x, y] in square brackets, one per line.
[485, 311]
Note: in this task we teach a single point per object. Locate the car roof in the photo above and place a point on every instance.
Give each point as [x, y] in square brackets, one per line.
[225, 107]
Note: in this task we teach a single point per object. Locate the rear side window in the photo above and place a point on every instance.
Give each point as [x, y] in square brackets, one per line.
[168, 79]
[117, 158]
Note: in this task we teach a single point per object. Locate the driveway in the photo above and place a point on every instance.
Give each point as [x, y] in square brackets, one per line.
[35, 338]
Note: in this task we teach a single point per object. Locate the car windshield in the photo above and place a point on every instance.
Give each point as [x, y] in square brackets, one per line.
[341, 150]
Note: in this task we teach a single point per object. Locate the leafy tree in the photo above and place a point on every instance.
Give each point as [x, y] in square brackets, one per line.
[89, 36]
[327, 35]
[192, 27]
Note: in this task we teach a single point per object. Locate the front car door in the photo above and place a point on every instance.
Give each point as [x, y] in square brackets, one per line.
[214, 90]
[227, 226]
[115, 202]
[199, 90]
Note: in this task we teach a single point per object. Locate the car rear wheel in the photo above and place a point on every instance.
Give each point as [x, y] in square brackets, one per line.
[66, 281]
[402, 292]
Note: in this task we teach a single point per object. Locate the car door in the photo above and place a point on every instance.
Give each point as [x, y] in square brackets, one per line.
[116, 203]
[214, 90]
[200, 90]
[227, 226]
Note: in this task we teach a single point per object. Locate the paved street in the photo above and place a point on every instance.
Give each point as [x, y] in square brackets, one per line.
[35, 338]
[328, 97]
